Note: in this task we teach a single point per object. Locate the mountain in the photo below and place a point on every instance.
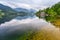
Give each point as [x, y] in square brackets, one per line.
[5, 8]
[21, 9]
[25, 10]
[18, 6]
[9, 10]
[7, 13]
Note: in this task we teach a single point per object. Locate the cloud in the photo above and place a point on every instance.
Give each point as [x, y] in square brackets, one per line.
[7, 4]
[15, 5]
[38, 4]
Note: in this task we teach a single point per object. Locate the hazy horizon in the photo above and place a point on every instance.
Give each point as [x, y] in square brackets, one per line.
[37, 4]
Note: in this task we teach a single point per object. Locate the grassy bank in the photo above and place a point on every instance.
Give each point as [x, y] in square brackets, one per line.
[56, 23]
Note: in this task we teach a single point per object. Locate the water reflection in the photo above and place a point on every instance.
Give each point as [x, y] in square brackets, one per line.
[15, 29]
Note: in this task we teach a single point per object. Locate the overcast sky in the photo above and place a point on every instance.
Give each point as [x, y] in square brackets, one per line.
[35, 3]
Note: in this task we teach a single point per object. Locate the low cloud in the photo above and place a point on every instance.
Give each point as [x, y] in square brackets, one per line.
[38, 4]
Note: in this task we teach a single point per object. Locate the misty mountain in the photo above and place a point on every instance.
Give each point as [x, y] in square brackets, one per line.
[21, 9]
[6, 8]
[7, 13]
[26, 11]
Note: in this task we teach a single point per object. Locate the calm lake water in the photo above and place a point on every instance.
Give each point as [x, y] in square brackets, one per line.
[16, 28]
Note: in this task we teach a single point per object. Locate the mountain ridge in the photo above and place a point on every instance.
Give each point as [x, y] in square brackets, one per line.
[7, 13]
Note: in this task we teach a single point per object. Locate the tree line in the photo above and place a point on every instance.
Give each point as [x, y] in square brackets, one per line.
[52, 13]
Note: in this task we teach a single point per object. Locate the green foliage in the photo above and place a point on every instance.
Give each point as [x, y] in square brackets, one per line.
[26, 36]
[38, 13]
[52, 13]
[8, 15]
[1, 14]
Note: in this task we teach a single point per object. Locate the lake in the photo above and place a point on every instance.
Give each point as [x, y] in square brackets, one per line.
[27, 29]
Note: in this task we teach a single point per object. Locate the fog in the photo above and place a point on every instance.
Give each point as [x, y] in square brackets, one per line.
[17, 27]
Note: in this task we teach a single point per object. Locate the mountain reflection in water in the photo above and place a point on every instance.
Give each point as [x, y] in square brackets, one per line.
[16, 28]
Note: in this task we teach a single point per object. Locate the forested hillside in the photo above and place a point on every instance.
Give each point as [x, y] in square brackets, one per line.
[7, 13]
[6, 16]
[52, 14]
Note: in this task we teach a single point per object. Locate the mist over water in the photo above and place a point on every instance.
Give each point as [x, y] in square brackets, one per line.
[18, 26]
[35, 21]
